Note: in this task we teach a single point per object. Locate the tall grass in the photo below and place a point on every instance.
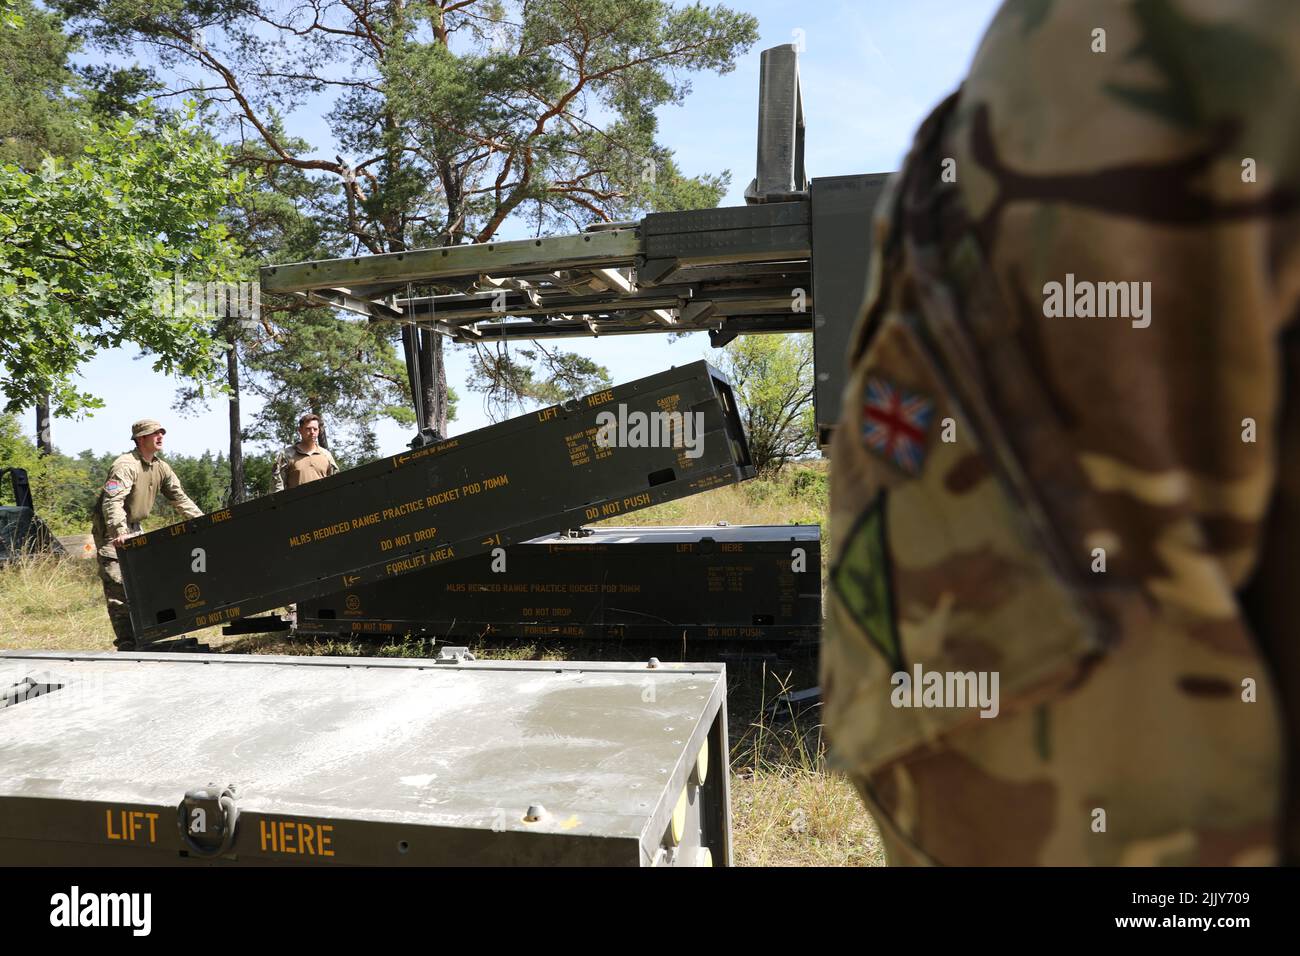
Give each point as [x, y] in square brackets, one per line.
[51, 603]
[795, 495]
[788, 808]
[57, 604]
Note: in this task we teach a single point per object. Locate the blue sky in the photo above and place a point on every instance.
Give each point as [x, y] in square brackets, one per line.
[870, 72]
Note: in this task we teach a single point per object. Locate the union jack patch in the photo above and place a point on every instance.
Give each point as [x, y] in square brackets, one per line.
[895, 423]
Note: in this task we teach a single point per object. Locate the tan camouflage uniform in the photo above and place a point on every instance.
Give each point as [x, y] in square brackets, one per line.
[990, 455]
[294, 466]
[126, 499]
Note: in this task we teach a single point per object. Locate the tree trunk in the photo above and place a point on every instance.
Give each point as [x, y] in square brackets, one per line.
[44, 437]
[321, 439]
[440, 378]
[236, 433]
[433, 381]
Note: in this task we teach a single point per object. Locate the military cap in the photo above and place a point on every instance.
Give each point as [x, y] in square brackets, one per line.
[146, 426]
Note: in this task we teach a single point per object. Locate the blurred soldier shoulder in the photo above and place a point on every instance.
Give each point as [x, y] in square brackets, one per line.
[1057, 593]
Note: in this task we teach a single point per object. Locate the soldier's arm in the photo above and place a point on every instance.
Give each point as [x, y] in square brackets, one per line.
[171, 488]
[334, 466]
[277, 473]
[118, 485]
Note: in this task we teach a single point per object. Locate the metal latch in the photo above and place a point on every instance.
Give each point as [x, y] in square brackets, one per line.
[207, 818]
[453, 655]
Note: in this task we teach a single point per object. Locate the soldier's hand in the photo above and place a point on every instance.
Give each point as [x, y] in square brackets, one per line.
[117, 542]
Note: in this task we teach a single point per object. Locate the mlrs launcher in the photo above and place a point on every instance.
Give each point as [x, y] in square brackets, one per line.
[652, 440]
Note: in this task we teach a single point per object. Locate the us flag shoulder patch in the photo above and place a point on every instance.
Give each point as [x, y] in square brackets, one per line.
[895, 424]
[112, 486]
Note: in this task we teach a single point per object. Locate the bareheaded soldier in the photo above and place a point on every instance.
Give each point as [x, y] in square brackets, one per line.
[1065, 487]
[134, 481]
[305, 461]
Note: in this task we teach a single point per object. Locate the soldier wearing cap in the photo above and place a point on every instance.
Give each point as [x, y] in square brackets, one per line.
[305, 461]
[134, 481]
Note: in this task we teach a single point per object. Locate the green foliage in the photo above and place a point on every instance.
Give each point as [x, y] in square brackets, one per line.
[451, 119]
[61, 487]
[44, 100]
[206, 479]
[346, 371]
[258, 474]
[773, 379]
[812, 484]
[558, 101]
[39, 108]
[544, 377]
[83, 245]
[114, 92]
[300, 358]
[10, 18]
[801, 490]
[16, 450]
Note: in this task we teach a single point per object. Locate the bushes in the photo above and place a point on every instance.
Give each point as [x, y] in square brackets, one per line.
[801, 489]
[773, 380]
[794, 495]
[61, 486]
[812, 483]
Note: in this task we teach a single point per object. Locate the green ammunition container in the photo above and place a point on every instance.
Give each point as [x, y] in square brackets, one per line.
[536, 474]
[193, 759]
[714, 583]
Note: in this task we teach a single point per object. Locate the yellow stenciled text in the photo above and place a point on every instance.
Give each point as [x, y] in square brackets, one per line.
[133, 826]
[296, 837]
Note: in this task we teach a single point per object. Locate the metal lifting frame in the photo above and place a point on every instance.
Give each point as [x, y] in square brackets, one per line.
[729, 271]
[725, 271]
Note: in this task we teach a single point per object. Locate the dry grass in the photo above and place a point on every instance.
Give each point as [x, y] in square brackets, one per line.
[787, 808]
[391, 647]
[774, 501]
[790, 817]
[55, 604]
